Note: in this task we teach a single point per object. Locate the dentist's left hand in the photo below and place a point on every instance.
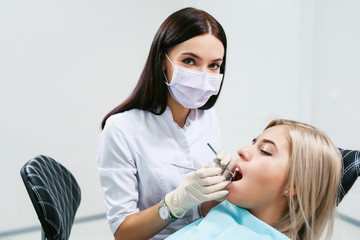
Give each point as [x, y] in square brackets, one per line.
[226, 159]
[200, 186]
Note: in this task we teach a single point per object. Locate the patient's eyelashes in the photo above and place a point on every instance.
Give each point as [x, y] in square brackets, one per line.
[265, 153]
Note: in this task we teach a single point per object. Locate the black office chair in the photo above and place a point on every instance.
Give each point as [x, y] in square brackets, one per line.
[55, 195]
[351, 171]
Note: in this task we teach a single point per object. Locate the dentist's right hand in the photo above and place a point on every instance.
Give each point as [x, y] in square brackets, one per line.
[199, 186]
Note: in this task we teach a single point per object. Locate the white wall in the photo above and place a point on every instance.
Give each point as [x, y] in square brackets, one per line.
[65, 64]
[336, 74]
[263, 78]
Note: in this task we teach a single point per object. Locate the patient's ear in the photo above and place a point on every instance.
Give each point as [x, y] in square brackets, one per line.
[287, 191]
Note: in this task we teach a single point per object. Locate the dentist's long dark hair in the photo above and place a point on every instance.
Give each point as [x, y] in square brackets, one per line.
[150, 93]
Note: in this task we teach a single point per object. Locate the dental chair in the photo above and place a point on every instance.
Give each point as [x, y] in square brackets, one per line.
[351, 171]
[55, 195]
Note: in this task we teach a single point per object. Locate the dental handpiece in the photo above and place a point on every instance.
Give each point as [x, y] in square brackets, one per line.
[226, 167]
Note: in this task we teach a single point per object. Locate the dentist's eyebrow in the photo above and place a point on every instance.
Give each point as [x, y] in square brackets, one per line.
[191, 54]
[197, 57]
[218, 60]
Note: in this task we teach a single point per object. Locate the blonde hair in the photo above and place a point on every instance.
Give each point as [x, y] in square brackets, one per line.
[314, 175]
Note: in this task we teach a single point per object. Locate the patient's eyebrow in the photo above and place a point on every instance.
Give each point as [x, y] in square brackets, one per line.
[265, 141]
[269, 141]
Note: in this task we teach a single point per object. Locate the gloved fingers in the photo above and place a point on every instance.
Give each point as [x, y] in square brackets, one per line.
[228, 173]
[220, 199]
[208, 171]
[224, 158]
[215, 187]
[207, 165]
[208, 181]
[219, 155]
[217, 164]
[217, 195]
[234, 159]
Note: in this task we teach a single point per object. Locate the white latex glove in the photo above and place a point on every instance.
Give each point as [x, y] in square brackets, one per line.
[199, 186]
[226, 159]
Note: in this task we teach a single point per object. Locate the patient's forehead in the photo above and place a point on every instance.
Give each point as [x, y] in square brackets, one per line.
[279, 135]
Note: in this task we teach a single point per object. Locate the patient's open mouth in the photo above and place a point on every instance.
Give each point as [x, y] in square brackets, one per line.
[237, 174]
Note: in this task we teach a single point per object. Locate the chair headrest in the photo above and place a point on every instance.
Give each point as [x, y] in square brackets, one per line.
[351, 170]
[54, 193]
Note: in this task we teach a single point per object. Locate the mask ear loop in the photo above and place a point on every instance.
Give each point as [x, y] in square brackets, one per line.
[169, 60]
[167, 82]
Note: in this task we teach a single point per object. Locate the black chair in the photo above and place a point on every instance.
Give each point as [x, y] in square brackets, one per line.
[55, 195]
[351, 171]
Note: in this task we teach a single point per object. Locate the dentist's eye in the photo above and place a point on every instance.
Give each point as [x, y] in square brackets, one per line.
[189, 61]
[266, 153]
[214, 66]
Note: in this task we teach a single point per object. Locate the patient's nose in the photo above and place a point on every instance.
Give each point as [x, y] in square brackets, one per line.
[244, 153]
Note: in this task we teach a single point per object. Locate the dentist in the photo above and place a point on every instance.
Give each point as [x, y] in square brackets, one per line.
[167, 119]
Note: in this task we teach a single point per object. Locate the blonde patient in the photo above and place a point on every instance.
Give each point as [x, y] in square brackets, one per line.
[287, 180]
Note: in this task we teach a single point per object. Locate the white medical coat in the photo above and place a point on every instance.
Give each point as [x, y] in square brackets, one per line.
[135, 149]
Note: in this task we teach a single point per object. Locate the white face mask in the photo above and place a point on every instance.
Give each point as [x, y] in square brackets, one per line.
[190, 88]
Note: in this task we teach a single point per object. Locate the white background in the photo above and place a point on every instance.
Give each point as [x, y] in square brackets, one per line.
[65, 64]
